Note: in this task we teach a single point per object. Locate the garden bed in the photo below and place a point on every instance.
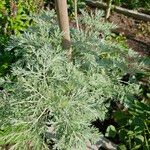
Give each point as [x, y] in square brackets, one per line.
[136, 32]
[43, 69]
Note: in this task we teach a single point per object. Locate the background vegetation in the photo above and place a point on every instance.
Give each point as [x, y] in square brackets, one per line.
[133, 4]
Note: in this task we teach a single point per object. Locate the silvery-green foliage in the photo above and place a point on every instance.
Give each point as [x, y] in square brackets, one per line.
[49, 92]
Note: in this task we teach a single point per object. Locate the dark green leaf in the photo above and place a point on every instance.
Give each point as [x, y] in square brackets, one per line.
[121, 117]
[122, 147]
[111, 131]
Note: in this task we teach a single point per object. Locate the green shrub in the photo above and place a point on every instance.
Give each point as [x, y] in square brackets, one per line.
[5, 59]
[49, 92]
[14, 14]
[133, 4]
[14, 19]
[133, 130]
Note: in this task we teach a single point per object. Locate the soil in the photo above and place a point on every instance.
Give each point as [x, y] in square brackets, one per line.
[137, 32]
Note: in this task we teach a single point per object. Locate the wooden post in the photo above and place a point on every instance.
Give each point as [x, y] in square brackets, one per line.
[62, 13]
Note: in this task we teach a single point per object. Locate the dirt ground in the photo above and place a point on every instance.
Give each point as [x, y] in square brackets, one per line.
[137, 32]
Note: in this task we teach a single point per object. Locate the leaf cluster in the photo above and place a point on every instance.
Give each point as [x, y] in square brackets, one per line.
[133, 129]
[14, 14]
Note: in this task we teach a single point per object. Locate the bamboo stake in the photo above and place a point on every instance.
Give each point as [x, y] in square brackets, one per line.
[76, 13]
[108, 9]
[62, 13]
